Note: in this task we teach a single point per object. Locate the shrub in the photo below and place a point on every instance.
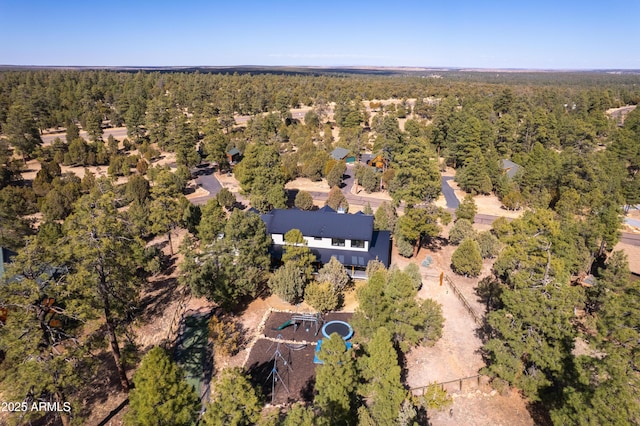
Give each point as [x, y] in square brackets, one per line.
[321, 296]
[461, 230]
[466, 260]
[226, 335]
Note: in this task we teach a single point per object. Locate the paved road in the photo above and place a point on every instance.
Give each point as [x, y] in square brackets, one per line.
[348, 179]
[207, 180]
[117, 132]
[449, 194]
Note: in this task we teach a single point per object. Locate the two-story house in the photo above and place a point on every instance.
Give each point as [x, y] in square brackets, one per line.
[350, 238]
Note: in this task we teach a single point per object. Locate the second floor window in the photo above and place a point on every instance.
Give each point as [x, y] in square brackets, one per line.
[357, 243]
[338, 242]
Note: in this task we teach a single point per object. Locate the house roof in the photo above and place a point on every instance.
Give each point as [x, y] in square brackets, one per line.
[380, 249]
[339, 153]
[233, 151]
[324, 223]
[510, 168]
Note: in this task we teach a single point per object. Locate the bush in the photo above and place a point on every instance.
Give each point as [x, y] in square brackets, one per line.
[461, 230]
[321, 296]
[405, 248]
[466, 260]
[288, 283]
[334, 273]
[303, 200]
[413, 271]
[226, 335]
[489, 245]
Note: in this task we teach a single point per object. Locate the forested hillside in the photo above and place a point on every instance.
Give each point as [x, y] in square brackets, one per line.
[84, 242]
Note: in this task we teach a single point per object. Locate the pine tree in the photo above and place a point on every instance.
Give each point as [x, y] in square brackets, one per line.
[467, 209]
[383, 386]
[297, 253]
[161, 394]
[234, 401]
[104, 258]
[335, 382]
[337, 200]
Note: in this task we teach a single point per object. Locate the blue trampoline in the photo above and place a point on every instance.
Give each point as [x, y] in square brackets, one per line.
[342, 328]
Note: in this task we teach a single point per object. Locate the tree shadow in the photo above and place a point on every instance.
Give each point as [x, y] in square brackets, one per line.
[102, 382]
[291, 197]
[159, 294]
[435, 243]
[539, 413]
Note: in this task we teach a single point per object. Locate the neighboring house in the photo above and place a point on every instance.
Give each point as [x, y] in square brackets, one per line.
[350, 238]
[340, 154]
[376, 161]
[510, 168]
[233, 156]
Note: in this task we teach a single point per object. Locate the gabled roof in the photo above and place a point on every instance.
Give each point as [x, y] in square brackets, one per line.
[339, 153]
[323, 223]
[233, 151]
[510, 168]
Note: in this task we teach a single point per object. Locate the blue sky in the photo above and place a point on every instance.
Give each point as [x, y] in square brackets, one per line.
[484, 33]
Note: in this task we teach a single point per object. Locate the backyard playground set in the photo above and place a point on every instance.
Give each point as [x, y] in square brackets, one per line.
[283, 359]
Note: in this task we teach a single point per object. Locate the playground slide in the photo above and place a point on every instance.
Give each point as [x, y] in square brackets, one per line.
[285, 325]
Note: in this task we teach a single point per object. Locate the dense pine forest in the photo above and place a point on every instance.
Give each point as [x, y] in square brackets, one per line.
[84, 245]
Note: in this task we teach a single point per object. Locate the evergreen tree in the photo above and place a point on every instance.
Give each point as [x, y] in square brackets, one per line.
[104, 258]
[383, 386]
[39, 349]
[21, 130]
[461, 230]
[388, 300]
[260, 174]
[297, 253]
[466, 259]
[418, 224]
[161, 395]
[288, 283]
[303, 200]
[337, 200]
[385, 217]
[321, 296]
[467, 209]
[234, 401]
[334, 178]
[299, 415]
[335, 382]
[334, 273]
[226, 199]
[532, 335]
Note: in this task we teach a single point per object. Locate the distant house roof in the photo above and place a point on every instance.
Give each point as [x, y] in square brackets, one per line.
[510, 168]
[365, 158]
[323, 223]
[233, 151]
[380, 249]
[339, 153]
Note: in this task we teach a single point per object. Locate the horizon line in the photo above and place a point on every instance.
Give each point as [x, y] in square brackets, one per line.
[382, 67]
